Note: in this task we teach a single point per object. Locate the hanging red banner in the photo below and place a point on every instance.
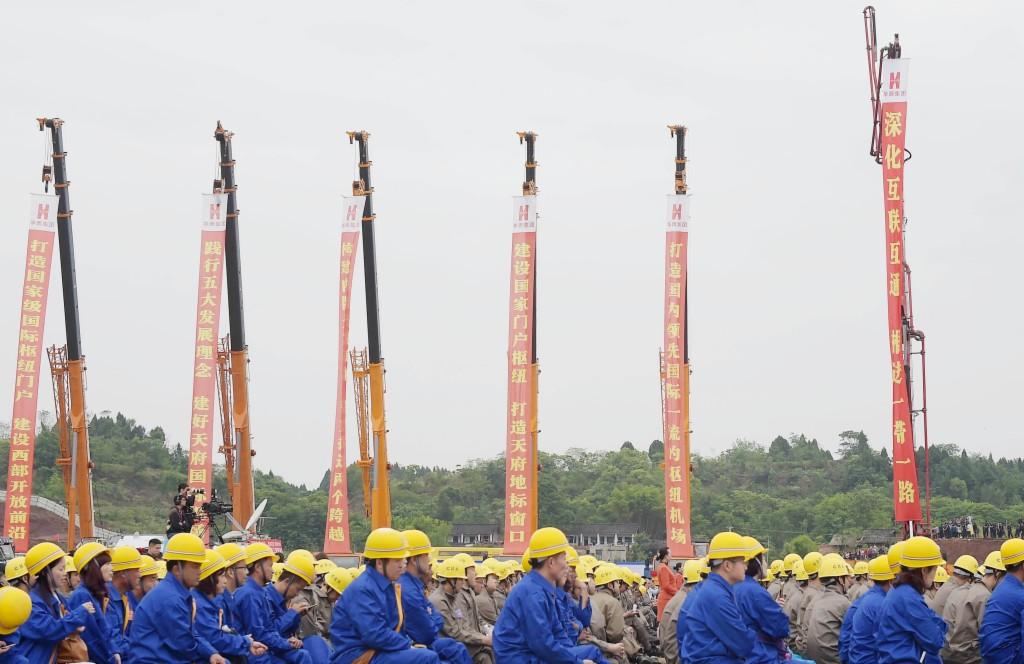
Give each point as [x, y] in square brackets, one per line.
[519, 454]
[336, 533]
[893, 97]
[204, 372]
[676, 381]
[32, 314]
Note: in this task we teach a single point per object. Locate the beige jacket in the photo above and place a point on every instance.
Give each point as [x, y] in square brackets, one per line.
[316, 621]
[789, 587]
[775, 588]
[811, 593]
[824, 620]
[857, 590]
[792, 611]
[938, 603]
[487, 607]
[964, 610]
[667, 628]
[611, 624]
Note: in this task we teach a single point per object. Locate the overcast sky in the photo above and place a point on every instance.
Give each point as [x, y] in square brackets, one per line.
[787, 274]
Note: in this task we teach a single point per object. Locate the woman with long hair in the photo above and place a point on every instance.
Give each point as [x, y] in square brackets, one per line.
[51, 621]
[908, 631]
[101, 627]
[209, 621]
[668, 584]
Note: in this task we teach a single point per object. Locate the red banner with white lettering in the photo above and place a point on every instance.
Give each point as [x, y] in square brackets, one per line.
[204, 371]
[519, 453]
[31, 357]
[893, 96]
[336, 533]
[676, 381]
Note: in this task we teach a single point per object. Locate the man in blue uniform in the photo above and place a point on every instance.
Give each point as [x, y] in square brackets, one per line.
[862, 647]
[256, 614]
[1000, 632]
[368, 619]
[125, 563]
[760, 612]
[235, 574]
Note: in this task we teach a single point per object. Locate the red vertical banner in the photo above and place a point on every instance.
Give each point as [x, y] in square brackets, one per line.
[32, 316]
[676, 382]
[204, 371]
[893, 97]
[519, 455]
[336, 532]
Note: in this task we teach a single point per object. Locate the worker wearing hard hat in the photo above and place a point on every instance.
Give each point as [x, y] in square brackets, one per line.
[423, 624]
[368, 619]
[316, 620]
[857, 640]
[125, 563]
[208, 621]
[793, 596]
[691, 597]
[963, 611]
[164, 627]
[669, 619]
[791, 584]
[760, 612]
[529, 629]
[233, 578]
[714, 627]
[1000, 632]
[71, 574]
[860, 581]
[908, 631]
[573, 598]
[964, 570]
[607, 623]
[779, 577]
[811, 592]
[473, 634]
[147, 579]
[825, 619]
[287, 607]
[256, 609]
[448, 600]
[51, 620]
[16, 574]
[101, 634]
[486, 603]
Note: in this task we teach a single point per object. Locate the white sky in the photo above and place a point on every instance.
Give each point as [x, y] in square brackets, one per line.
[788, 327]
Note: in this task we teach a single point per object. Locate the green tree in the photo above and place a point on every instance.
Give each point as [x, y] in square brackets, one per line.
[801, 544]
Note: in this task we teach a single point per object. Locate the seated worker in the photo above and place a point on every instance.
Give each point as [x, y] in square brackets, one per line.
[286, 606]
[210, 616]
[456, 603]
[51, 620]
[92, 560]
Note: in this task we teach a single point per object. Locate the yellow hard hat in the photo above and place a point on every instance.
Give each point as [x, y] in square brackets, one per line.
[186, 547]
[231, 552]
[385, 544]
[726, 545]
[1011, 552]
[800, 572]
[88, 551]
[69, 565]
[323, 566]
[769, 576]
[41, 556]
[832, 566]
[16, 568]
[588, 559]
[464, 559]
[628, 575]
[754, 548]
[967, 564]
[994, 563]
[860, 568]
[338, 579]
[213, 562]
[149, 567]
[607, 574]
[776, 566]
[894, 554]
[301, 565]
[879, 569]
[275, 571]
[488, 567]
[705, 566]
[921, 552]
[451, 569]
[303, 552]
[418, 541]
[547, 542]
[787, 562]
[15, 608]
[941, 575]
[691, 571]
[257, 551]
[504, 569]
[161, 569]
[812, 562]
[571, 556]
[124, 558]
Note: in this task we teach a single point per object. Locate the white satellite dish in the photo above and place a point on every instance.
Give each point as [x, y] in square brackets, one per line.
[256, 515]
[234, 521]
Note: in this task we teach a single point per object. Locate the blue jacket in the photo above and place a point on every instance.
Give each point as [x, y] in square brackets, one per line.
[1000, 632]
[119, 615]
[846, 631]
[529, 627]
[907, 628]
[257, 620]
[209, 620]
[12, 655]
[164, 630]
[422, 623]
[101, 635]
[862, 648]
[226, 601]
[287, 620]
[681, 629]
[715, 631]
[574, 617]
[46, 626]
[365, 618]
[763, 615]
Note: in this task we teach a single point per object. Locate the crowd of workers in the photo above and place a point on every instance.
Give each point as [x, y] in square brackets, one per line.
[967, 528]
[237, 603]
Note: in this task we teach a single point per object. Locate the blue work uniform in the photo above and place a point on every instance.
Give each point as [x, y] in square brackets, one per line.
[164, 630]
[1000, 632]
[846, 631]
[287, 621]
[529, 628]
[226, 601]
[209, 623]
[11, 655]
[765, 617]
[257, 619]
[100, 634]
[715, 631]
[47, 625]
[863, 649]
[369, 616]
[571, 613]
[908, 629]
[119, 615]
[423, 623]
[681, 630]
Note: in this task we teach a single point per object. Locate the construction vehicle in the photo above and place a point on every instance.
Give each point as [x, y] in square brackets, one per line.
[905, 339]
[67, 363]
[375, 469]
[530, 189]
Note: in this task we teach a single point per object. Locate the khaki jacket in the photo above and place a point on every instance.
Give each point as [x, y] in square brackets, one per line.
[611, 625]
[487, 607]
[789, 587]
[938, 603]
[811, 593]
[964, 610]
[792, 611]
[824, 620]
[857, 590]
[775, 588]
[316, 621]
[667, 627]
[458, 623]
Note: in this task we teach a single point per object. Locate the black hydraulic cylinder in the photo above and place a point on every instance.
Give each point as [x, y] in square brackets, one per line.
[232, 251]
[369, 252]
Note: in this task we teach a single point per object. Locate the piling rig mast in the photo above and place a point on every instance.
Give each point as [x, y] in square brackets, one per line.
[530, 189]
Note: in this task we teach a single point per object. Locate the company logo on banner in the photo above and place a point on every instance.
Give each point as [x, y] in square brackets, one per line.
[336, 534]
[213, 220]
[519, 453]
[31, 357]
[677, 381]
[906, 497]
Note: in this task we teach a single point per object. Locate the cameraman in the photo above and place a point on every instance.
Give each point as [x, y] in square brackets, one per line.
[181, 518]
